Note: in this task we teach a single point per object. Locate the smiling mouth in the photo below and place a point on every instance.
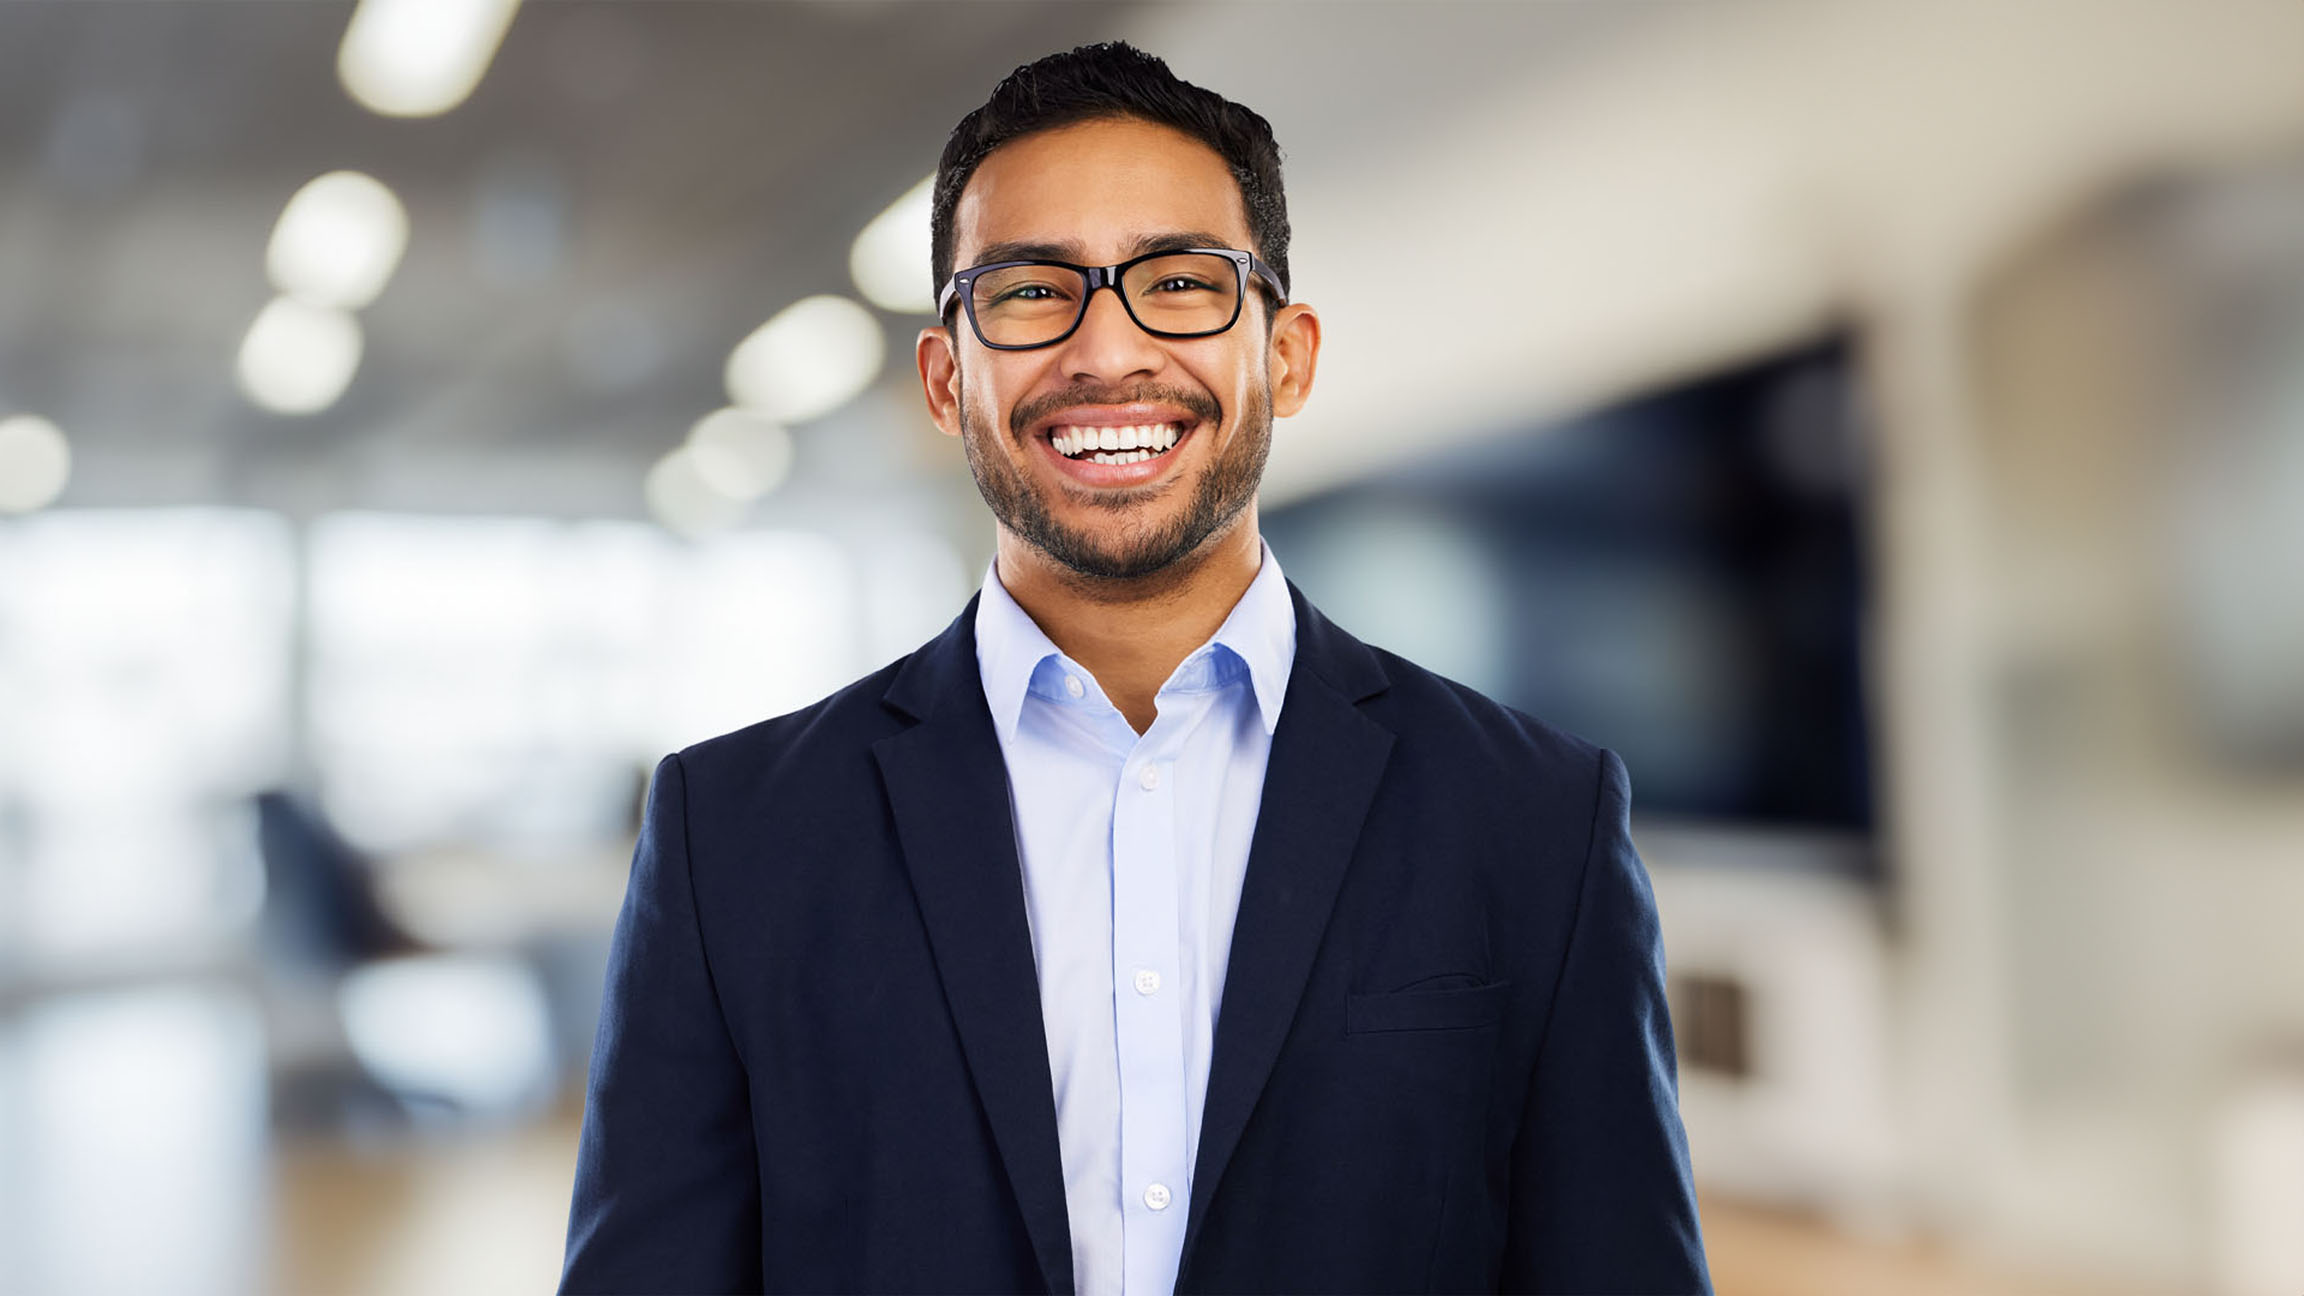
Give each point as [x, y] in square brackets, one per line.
[1116, 445]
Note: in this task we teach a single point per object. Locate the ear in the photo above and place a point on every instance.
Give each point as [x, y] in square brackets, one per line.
[1294, 357]
[940, 378]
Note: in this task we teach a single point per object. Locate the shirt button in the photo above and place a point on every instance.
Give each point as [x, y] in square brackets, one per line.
[1147, 981]
[1073, 686]
[1149, 778]
[1156, 1196]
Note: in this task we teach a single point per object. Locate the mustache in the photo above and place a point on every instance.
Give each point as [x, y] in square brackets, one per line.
[1199, 404]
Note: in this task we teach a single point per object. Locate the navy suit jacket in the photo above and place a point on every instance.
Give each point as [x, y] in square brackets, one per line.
[1442, 1061]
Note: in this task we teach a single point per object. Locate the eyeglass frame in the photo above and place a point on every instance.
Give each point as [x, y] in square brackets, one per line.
[1097, 277]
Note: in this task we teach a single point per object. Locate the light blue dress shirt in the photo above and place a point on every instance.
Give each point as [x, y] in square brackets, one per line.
[1133, 848]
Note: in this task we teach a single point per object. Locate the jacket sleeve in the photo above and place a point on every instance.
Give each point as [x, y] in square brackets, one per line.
[667, 1191]
[1601, 1198]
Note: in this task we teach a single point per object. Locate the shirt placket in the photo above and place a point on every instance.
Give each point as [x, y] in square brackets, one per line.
[1147, 1014]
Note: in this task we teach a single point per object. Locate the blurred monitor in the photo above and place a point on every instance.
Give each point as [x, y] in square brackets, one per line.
[1678, 577]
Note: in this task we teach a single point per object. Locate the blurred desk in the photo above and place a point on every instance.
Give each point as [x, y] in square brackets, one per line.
[471, 899]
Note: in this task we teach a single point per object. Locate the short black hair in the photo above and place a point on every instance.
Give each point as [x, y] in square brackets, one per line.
[1103, 82]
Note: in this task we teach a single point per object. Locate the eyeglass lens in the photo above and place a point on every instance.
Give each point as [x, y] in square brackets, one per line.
[1182, 292]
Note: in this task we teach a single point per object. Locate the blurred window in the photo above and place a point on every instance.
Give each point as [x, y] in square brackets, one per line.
[143, 691]
[497, 682]
[502, 679]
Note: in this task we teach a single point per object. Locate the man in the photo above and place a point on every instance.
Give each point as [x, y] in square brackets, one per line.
[1144, 931]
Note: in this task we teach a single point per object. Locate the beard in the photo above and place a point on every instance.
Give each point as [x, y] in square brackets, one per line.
[1132, 550]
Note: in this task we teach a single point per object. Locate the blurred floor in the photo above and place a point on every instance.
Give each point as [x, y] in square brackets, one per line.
[1755, 1251]
[486, 1215]
[477, 1214]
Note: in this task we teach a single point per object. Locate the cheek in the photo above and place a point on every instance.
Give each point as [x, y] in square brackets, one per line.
[990, 389]
[1211, 369]
[1239, 382]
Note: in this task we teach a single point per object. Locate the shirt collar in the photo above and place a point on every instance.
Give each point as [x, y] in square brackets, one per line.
[1260, 631]
[1009, 647]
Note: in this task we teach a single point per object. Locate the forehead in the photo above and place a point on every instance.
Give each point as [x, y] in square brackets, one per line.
[1101, 185]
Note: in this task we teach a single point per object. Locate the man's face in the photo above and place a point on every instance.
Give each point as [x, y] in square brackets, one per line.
[1098, 193]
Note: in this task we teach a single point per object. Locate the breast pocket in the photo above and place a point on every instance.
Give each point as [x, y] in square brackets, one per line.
[1464, 1008]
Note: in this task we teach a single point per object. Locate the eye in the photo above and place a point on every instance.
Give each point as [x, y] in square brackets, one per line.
[1026, 292]
[1181, 283]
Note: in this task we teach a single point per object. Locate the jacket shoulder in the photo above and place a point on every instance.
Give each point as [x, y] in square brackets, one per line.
[844, 724]
[1428, 708]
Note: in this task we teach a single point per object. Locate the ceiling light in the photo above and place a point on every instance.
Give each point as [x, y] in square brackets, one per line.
[681, 499]
[810, 359]
[890, 258]
[739, 454]
[298, 358]
[415, 58]
[34, 463]
[338, 241]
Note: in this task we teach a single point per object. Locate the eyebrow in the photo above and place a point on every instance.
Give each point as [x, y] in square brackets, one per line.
[1074, 250]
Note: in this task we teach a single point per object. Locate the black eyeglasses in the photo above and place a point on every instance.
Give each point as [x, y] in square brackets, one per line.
[1186, 293]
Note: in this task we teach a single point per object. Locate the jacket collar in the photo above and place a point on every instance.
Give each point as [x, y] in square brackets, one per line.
[948, 794]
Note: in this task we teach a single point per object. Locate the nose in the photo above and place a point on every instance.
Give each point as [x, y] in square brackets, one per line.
[1108, 347]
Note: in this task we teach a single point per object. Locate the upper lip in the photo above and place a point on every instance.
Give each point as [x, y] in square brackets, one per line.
[1134, 415]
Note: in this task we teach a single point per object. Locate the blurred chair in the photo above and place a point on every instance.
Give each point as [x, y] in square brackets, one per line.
[320, 907]
[371, 1026]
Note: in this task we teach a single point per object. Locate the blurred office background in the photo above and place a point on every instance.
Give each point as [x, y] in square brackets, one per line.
[1883, 423]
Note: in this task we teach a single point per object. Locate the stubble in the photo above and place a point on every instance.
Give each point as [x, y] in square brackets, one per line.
[1124, 555]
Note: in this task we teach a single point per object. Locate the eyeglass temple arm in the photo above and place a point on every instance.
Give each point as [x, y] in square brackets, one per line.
[1270, 276]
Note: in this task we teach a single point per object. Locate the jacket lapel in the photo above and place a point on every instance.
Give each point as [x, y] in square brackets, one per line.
[1326, 761]
[948, 788]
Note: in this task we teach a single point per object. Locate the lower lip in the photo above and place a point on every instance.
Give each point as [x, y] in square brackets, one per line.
[1088, 472]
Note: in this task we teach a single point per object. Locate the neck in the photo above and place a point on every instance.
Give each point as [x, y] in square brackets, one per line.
[1132, 634]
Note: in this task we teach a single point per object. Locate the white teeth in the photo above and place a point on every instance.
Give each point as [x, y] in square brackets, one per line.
[1117, 444]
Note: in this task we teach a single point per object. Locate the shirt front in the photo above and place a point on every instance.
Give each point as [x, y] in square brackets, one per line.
[1133, 849]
